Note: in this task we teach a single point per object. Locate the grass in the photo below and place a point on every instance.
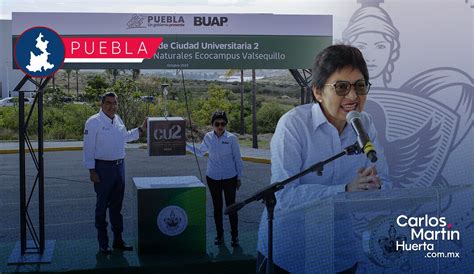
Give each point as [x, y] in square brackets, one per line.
[262, 144]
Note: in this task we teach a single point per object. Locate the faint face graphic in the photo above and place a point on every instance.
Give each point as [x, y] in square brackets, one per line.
[376, 50]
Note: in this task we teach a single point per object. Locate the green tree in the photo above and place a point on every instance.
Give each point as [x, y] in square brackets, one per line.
[135, 74]
[53, 96]
[68, 71]
[268, 116]
[217, 98]
[234, 116]
[131, 109]
[229, 73]
[77, 82]
[95, 87]
[114, 73]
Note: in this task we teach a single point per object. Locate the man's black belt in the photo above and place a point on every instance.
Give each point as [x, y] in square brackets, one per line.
[113, 162]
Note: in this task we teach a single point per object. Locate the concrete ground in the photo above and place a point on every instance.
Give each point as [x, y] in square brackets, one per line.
[70, 200]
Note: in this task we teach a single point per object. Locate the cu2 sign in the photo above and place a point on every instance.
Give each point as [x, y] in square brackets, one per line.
[166, 136]
[173, 133]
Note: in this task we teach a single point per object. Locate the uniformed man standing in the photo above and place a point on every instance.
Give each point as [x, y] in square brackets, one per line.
[105, 136]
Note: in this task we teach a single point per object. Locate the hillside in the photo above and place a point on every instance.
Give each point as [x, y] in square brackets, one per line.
[279, 86]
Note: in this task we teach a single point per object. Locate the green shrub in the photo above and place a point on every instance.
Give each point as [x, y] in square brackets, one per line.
[268, 116]
[66, 121]
[59, 122]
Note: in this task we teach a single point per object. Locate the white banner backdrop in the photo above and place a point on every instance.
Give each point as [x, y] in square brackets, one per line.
[420, 59]
[421, 63]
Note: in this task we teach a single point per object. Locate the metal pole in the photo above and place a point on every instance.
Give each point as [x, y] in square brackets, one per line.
[254, 112]
[41, 170]
[242, 125]
[270, 202]
[21, 137]
[39, 95]
[43, 249]
[303, 96]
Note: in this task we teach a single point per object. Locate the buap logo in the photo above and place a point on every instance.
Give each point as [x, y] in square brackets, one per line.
[39, 52]
[172, 220]
[210, 21]
[379, 242]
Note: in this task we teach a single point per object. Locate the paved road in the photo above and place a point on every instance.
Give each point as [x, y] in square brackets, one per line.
[70, 198]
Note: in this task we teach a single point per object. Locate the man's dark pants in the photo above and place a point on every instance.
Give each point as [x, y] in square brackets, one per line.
[110, 191]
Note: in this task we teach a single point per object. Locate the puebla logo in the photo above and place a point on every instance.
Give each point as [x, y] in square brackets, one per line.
[39, 52]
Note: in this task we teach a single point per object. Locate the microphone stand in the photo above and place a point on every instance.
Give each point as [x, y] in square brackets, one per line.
[268, 196]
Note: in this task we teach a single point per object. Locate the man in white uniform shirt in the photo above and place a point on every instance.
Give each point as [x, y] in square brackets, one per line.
[105, 136]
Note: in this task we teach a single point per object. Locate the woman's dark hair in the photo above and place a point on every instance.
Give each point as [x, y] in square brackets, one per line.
[334, 58]
[219, 114]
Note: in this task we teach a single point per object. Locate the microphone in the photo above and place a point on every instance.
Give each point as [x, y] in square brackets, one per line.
[363, 140]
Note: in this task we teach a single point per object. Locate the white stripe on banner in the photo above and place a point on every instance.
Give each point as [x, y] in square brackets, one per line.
[103, 60]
